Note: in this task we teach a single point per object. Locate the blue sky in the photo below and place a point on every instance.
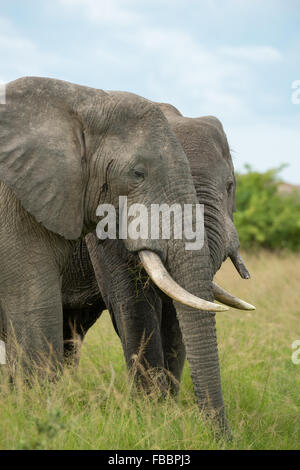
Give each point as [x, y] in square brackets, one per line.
[235, 59]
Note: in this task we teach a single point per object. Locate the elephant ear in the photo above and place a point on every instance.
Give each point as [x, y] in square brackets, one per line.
[41, 150]
[217, 133]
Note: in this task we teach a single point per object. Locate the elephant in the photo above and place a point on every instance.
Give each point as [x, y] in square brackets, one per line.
[149, 323]
[65, 150]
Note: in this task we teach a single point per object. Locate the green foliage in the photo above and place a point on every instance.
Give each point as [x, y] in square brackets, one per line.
[265, 217]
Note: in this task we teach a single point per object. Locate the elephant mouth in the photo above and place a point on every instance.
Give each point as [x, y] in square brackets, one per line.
[156, 270]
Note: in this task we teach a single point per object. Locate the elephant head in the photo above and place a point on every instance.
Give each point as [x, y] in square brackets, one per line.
[204, 142]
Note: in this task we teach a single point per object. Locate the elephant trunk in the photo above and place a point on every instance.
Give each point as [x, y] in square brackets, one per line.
[198, 328]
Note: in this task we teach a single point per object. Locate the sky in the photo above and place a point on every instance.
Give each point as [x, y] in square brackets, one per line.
[238, 60]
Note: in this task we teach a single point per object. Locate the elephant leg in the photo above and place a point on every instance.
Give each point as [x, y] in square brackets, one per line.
[77, 320]
[173, 347]
[30, 293]
[135, 307]
[138, 326]
[34, 337]
[71, 337]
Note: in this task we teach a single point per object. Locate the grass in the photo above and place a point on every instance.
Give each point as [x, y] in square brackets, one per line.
[96, 409]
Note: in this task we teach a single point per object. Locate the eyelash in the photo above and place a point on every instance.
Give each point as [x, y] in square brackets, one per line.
[139, 174]
[229, 187]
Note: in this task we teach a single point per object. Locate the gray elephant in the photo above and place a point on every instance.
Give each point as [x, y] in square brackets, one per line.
[64, 149]
[154, 334]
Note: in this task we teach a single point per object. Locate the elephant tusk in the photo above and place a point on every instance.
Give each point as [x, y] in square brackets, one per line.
[240, 266]
[222, 296]
[160, 276]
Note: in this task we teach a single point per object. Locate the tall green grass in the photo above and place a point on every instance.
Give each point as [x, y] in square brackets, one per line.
[96, 408]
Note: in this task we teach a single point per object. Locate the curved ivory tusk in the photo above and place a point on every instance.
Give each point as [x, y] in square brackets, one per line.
[222, 296]
[240, 266]
[160, 276]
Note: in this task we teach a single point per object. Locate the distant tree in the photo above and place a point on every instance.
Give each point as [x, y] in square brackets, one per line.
[265, 217]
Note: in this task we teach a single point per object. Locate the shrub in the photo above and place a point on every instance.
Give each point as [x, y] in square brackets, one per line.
[264, 216]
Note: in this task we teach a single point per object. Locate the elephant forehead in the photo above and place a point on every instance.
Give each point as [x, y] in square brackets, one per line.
[203, 143]
[147, 137]
[133, 113]
[129, 108]
[214, 168]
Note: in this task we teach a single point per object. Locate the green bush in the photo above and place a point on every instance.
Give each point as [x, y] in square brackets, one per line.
[265, 217]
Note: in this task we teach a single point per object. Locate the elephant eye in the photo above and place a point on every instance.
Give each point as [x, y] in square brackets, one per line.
[139, 174]
[229, 187]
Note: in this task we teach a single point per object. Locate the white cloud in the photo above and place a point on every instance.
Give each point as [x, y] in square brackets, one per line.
[105, 11]
[267, 145]
[16, 52]
[20, 56]
[10, 39]
[108, 57]
[172, 65]
[181, 68]
[253, 53]
[136, 46]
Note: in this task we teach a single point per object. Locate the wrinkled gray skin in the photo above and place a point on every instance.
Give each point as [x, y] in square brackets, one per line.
[63, 150]
[153, 337]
